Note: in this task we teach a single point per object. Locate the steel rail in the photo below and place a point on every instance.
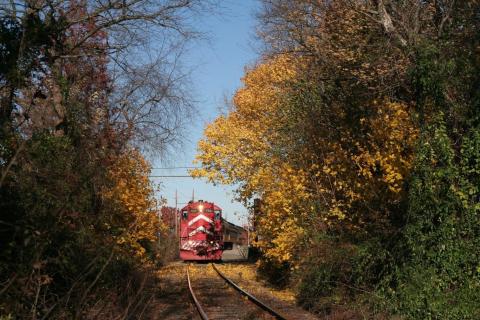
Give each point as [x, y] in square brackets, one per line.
[202, 313]
[250, 296]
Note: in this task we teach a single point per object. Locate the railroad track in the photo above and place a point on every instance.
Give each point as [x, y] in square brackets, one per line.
[219, 297]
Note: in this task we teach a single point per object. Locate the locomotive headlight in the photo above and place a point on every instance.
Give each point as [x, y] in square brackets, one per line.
[200, 208]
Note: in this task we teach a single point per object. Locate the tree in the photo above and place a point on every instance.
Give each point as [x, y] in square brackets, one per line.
[69, 33]
[77, 208]
[332, 129]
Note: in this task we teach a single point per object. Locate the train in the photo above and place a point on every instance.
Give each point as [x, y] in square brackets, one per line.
[202, 232]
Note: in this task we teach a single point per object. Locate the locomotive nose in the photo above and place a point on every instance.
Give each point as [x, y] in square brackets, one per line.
[200, 231]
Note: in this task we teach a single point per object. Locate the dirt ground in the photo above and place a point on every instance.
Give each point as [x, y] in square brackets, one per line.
[174, 302]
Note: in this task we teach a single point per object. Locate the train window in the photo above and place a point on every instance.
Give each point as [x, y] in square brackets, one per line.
[208, 210]
[217, 214]
[184, 214]
[193, 210]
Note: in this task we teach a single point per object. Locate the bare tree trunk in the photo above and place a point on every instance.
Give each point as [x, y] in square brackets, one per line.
[386, 21]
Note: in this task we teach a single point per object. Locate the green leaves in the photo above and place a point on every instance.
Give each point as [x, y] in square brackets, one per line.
[439, 244]
[388, 137]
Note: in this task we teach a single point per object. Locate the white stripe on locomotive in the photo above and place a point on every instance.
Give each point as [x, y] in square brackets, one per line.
[200, 216]
[200, 229]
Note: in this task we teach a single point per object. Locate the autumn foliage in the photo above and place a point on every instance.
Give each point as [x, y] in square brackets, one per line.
[134, 221]
[349, 129]
[339, 173]
[80, 233]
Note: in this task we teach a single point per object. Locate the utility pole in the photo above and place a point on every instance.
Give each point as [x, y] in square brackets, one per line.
[248, 228]
[176, 213]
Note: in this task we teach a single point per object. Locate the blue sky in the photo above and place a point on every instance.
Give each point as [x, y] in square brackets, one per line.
[218, 64]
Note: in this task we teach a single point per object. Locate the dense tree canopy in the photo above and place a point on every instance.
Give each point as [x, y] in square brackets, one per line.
[358, 130]
[79, 96]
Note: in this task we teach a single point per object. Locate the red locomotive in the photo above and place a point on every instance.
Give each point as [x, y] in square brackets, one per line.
[201, 231]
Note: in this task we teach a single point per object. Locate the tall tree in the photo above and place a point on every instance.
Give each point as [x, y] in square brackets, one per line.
[77, 97]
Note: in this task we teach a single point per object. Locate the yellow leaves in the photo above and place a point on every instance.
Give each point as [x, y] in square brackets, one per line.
[394, 135]
[284, 244]
[337, 213]
[235, 147]
[135, 207]
[345, 180]
[343, 175]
